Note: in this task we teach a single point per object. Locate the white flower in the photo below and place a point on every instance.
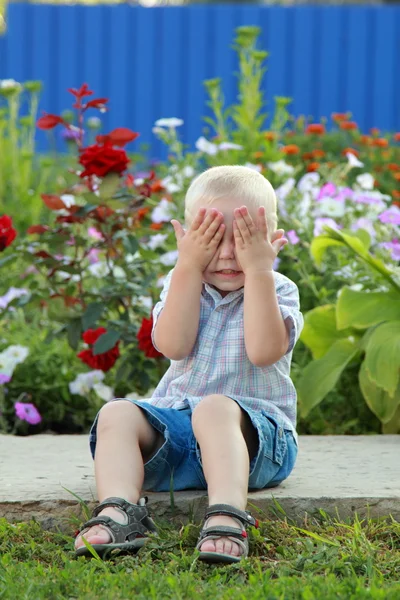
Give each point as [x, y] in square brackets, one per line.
[353, 160]
[146, 301]
[12, 293]
[280, 167]
[105, 392]
[6, 84]
[169, 258]
[365, 181]
[284, 190]
[163, 212]
[320, 224]
[99, 269]
[84, 382]
[68, 199]
[157, 240]
[230, 146]
[204, 145]
[257, 168]
[328, 207]
[357, 287]
[364, 223]
[309, 183]
[11, 357]
[188, 171]
[170, 185]
[171, 123]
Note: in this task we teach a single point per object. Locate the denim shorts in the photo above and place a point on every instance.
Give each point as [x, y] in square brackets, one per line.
[177, 464]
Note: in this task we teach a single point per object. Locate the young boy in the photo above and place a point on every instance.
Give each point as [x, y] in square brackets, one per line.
[223, 416]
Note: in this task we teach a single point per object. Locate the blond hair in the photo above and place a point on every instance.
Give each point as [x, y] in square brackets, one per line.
[234, 181]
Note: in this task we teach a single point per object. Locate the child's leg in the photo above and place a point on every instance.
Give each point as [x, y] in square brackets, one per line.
[227, 441]
[125, 440]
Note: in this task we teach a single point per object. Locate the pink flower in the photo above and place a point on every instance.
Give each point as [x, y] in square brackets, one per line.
[95, 233]
[391, 215]
[27, 412]
[292, 237]
[93, 256]
[4, 378]
[329, 189]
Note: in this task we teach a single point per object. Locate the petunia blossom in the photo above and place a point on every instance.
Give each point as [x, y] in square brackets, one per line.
[321, 222]
[205, 146]
[230, 146]
[393, 246]
[170, 123]
[4, 378]
[353, 160]
[12, 293]
[365, 181]
[164, 212]
[27, 412]
[280, 167]
[391, 215]
[292, 237]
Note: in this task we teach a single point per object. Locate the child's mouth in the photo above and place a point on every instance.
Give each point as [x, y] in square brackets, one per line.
[228, 273]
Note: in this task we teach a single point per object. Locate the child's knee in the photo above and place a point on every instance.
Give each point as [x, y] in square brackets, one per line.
[116, 412]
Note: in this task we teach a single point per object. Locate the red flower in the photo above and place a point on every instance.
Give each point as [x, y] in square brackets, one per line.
[380, 142]
[290, 149]
[82, 92]
[7, 232]
[144, 338]
[101, 160]
[350, 151]
[396, 137]
[316, 128]
[118, 137]
[99, 103]
[314, 166]
[339, 116]
[348, 125]
[104, 361]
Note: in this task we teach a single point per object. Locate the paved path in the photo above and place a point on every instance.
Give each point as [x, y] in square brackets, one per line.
[336, 473]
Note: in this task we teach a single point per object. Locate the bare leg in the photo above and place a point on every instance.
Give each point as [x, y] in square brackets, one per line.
[125, 440]
[227, 440]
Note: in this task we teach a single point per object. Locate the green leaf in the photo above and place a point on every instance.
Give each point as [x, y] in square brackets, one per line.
[109, 186]
[92, 314]
[320, 376]
[130, 243]
[364, 309]
[319, 246]
[320, 332]
[106, 342]
[74, 332]
[382, 356]
[7, 259]
[378, 400]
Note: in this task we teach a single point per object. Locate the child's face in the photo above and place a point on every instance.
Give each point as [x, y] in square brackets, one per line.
[225, 257]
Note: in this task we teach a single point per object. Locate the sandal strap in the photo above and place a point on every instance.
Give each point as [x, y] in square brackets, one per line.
[226, 509]
[124, 505]
[223, 531]
[119, 532]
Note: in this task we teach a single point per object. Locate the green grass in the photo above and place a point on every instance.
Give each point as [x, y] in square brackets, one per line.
[320, 559]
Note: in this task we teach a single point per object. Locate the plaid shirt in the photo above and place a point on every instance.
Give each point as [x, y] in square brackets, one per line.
[218, 362]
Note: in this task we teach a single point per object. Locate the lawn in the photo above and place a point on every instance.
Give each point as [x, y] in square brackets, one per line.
[320, 558]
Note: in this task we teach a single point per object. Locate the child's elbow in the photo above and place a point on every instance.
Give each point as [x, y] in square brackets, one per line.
[266, 359]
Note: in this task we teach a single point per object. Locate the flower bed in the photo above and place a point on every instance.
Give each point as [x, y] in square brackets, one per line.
[93, 269]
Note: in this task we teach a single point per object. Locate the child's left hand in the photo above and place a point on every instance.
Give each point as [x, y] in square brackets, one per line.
[253, 249]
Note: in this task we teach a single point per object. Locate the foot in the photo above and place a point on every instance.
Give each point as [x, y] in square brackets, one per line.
[99, 534]
[223, 545]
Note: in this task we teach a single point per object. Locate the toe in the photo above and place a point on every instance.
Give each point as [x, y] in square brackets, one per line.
[208, 546]
[95, 535]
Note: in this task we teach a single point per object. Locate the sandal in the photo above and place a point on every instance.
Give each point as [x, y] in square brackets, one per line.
[237, 535]
[129, 536]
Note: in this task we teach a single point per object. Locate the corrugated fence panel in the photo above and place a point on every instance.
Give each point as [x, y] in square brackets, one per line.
[152, 63]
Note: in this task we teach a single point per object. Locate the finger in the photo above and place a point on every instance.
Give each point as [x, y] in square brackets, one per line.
[213, 218]
[241, 225]
[262, 222]
[237, 234]
[246, 217]
[197, 221]
[178, 229]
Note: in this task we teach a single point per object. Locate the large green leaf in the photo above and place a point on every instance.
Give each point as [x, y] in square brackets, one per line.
[109, 186]
[378, 400]
[92, 314]
[320, 376]
[319, 246]
[320, 332]
[364, 309]
[382, 356]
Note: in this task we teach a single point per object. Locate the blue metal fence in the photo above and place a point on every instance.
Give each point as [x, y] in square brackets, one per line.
[151, 62]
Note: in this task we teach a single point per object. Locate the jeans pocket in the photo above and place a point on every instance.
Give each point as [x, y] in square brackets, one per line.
[275, 443]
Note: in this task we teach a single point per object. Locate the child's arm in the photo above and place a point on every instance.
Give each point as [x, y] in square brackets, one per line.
[178, 323]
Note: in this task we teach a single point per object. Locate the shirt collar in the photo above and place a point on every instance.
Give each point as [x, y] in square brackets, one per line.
[216, 296]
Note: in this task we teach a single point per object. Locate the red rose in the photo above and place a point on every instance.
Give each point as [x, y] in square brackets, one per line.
[104, 361]
[144, 338]
[101, 160]
[7, 232]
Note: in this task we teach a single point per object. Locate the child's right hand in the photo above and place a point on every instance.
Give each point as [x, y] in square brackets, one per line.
[199, 243]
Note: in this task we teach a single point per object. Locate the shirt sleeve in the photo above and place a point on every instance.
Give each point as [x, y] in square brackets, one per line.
[289, 304]
[160, 305]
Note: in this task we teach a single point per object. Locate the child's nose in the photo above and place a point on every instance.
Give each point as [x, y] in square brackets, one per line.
[227, 249]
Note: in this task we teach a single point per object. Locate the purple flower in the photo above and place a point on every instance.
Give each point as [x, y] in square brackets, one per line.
[4, 378]
[391, 215]
[11, 295]
[292, 237]
[345, 193]
[70, 134]
[93, 256]
[393, 246]
[329, 189]
[27, 412]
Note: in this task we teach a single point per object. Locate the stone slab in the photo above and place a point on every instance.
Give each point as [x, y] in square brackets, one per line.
[342, 475]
